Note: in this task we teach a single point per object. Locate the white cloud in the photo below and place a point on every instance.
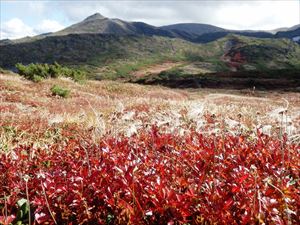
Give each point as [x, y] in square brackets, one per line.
[38, 7]
[241, 15]
[48, 26]
[262, 15]
[15, 28]
[268, 14]
[79, 10]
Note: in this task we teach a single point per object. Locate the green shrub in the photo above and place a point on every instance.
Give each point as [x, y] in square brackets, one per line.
[59, 91]
[193, 56]
[171, 74]
[37, 78]
[124, 71]
[37, 72]
[77, 75]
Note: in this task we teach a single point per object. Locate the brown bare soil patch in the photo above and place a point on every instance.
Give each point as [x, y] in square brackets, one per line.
[156, 69]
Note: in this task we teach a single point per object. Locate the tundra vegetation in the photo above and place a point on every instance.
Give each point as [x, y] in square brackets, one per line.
[92, 133]
[121, 153]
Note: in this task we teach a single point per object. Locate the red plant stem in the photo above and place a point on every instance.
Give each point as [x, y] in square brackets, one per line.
[283, 195]
[48, 206]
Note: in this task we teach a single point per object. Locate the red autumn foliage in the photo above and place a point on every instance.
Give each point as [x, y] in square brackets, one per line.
[238, 57]
[155, 178]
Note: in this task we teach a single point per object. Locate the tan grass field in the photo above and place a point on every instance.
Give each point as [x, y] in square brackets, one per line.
[30, 114]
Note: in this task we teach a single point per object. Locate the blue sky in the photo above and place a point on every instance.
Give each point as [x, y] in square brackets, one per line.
[27, 18]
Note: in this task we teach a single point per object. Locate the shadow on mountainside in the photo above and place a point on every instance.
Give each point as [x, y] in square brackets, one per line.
[288, 80]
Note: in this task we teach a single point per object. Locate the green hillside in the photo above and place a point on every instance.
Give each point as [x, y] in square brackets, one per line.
[112, 56]
[101, 55]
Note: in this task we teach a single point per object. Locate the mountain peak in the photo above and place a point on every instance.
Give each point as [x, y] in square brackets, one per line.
[96, 16]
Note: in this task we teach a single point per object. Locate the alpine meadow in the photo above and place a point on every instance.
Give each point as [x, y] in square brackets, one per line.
[118, 121]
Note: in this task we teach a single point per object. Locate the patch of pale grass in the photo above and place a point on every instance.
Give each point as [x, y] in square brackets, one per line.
[112, 108]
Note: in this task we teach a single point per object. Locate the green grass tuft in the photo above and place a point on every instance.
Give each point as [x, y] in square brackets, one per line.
[59, 91]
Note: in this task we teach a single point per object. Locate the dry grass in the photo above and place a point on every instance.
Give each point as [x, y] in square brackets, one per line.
[30, 114]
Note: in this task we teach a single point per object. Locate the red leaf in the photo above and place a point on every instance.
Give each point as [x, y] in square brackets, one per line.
[41, 218]
[243, 178]
[235, 189]
[228, 203]
[8, 220]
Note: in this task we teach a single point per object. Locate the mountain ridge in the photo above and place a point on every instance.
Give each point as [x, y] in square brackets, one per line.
[194, 28]
[194, 32]
[113, 48]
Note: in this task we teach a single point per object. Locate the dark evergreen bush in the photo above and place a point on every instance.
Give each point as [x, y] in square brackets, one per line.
[38, 72]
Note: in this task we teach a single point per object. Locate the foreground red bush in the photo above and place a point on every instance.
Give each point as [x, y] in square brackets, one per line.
[153, 179]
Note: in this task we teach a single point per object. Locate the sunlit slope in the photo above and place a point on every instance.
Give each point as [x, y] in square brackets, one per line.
[113, 56]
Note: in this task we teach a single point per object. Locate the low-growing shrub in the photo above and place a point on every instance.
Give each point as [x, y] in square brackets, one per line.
[59, 91]
[193, 56]
[38, 72]
[154, 178]
[172, 73]
[37, 78]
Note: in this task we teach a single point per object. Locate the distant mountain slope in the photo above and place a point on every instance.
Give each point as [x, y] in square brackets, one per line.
[6, 42]
[292, 33]
[203, 33]
[194, 32]
[237, 62]
[102, 25]
[101, 44]
[283, 29]
[244, 53]
[208, 37]
[198, 33]
[193, 28]
[231, 52]
[92, 49]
